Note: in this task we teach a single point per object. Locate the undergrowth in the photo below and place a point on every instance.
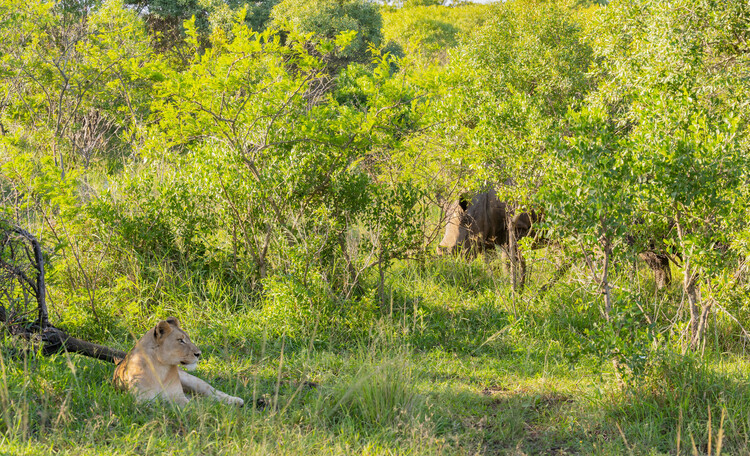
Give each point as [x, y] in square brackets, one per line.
[451, 361]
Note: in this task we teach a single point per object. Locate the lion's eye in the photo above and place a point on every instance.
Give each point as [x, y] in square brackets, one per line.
[182, 341]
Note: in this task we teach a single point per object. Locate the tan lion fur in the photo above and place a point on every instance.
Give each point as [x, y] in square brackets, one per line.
[152, 368]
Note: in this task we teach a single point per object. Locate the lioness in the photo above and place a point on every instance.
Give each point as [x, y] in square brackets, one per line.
[151, 369]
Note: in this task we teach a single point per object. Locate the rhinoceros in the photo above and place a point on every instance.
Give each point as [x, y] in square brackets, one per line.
[481, 224]
[474, 226]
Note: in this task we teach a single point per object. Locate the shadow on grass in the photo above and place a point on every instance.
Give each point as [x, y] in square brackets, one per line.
[681, 406]
[466, 308]
[501, 420]
[685, 397]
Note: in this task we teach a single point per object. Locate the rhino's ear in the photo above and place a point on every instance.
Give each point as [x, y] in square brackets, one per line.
[162, 330]
[173, 321]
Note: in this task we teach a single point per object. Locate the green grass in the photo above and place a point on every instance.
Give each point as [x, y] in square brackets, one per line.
[451, 363]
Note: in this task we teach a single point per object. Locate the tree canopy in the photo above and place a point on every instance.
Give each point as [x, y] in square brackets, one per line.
[295, 162]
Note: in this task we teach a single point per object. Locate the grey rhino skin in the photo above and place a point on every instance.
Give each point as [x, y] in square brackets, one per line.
[481, 224]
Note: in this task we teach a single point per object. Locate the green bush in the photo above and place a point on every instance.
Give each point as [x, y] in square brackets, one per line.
[325, 19]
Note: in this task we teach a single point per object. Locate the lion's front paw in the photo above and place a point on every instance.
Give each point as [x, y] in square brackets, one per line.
[231, 400]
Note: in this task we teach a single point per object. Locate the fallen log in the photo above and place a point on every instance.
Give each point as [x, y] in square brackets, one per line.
[54, 340]
[22, 277]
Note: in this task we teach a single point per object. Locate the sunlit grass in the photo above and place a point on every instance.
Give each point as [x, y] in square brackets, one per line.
[452, 362]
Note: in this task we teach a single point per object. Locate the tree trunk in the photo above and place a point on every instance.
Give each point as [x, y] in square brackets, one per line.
[51, 340]
[54, 340]
[517, 265]
[36, 286]
[381, 276]
[691, 287]
[604, 286]
[353, 279]
[702, 324]
[693, 293]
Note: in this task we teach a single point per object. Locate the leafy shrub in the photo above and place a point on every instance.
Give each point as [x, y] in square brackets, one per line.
[325, 19]
[292, 309]
[304, 310]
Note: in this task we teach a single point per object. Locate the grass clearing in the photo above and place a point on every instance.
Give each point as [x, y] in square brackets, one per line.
[452, 364]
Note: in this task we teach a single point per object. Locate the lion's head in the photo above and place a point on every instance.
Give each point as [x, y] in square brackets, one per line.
[173, 346]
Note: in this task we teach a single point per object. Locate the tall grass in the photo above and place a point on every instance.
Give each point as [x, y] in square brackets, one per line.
[378, 396]
[452, 363]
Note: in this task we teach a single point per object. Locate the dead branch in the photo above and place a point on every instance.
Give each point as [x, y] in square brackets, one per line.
[16, 262]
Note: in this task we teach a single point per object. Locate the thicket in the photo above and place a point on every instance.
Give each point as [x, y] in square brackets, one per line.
[285, 156]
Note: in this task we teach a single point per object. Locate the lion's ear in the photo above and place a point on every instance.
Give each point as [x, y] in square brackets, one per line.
[173, 321]
[162, 329]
